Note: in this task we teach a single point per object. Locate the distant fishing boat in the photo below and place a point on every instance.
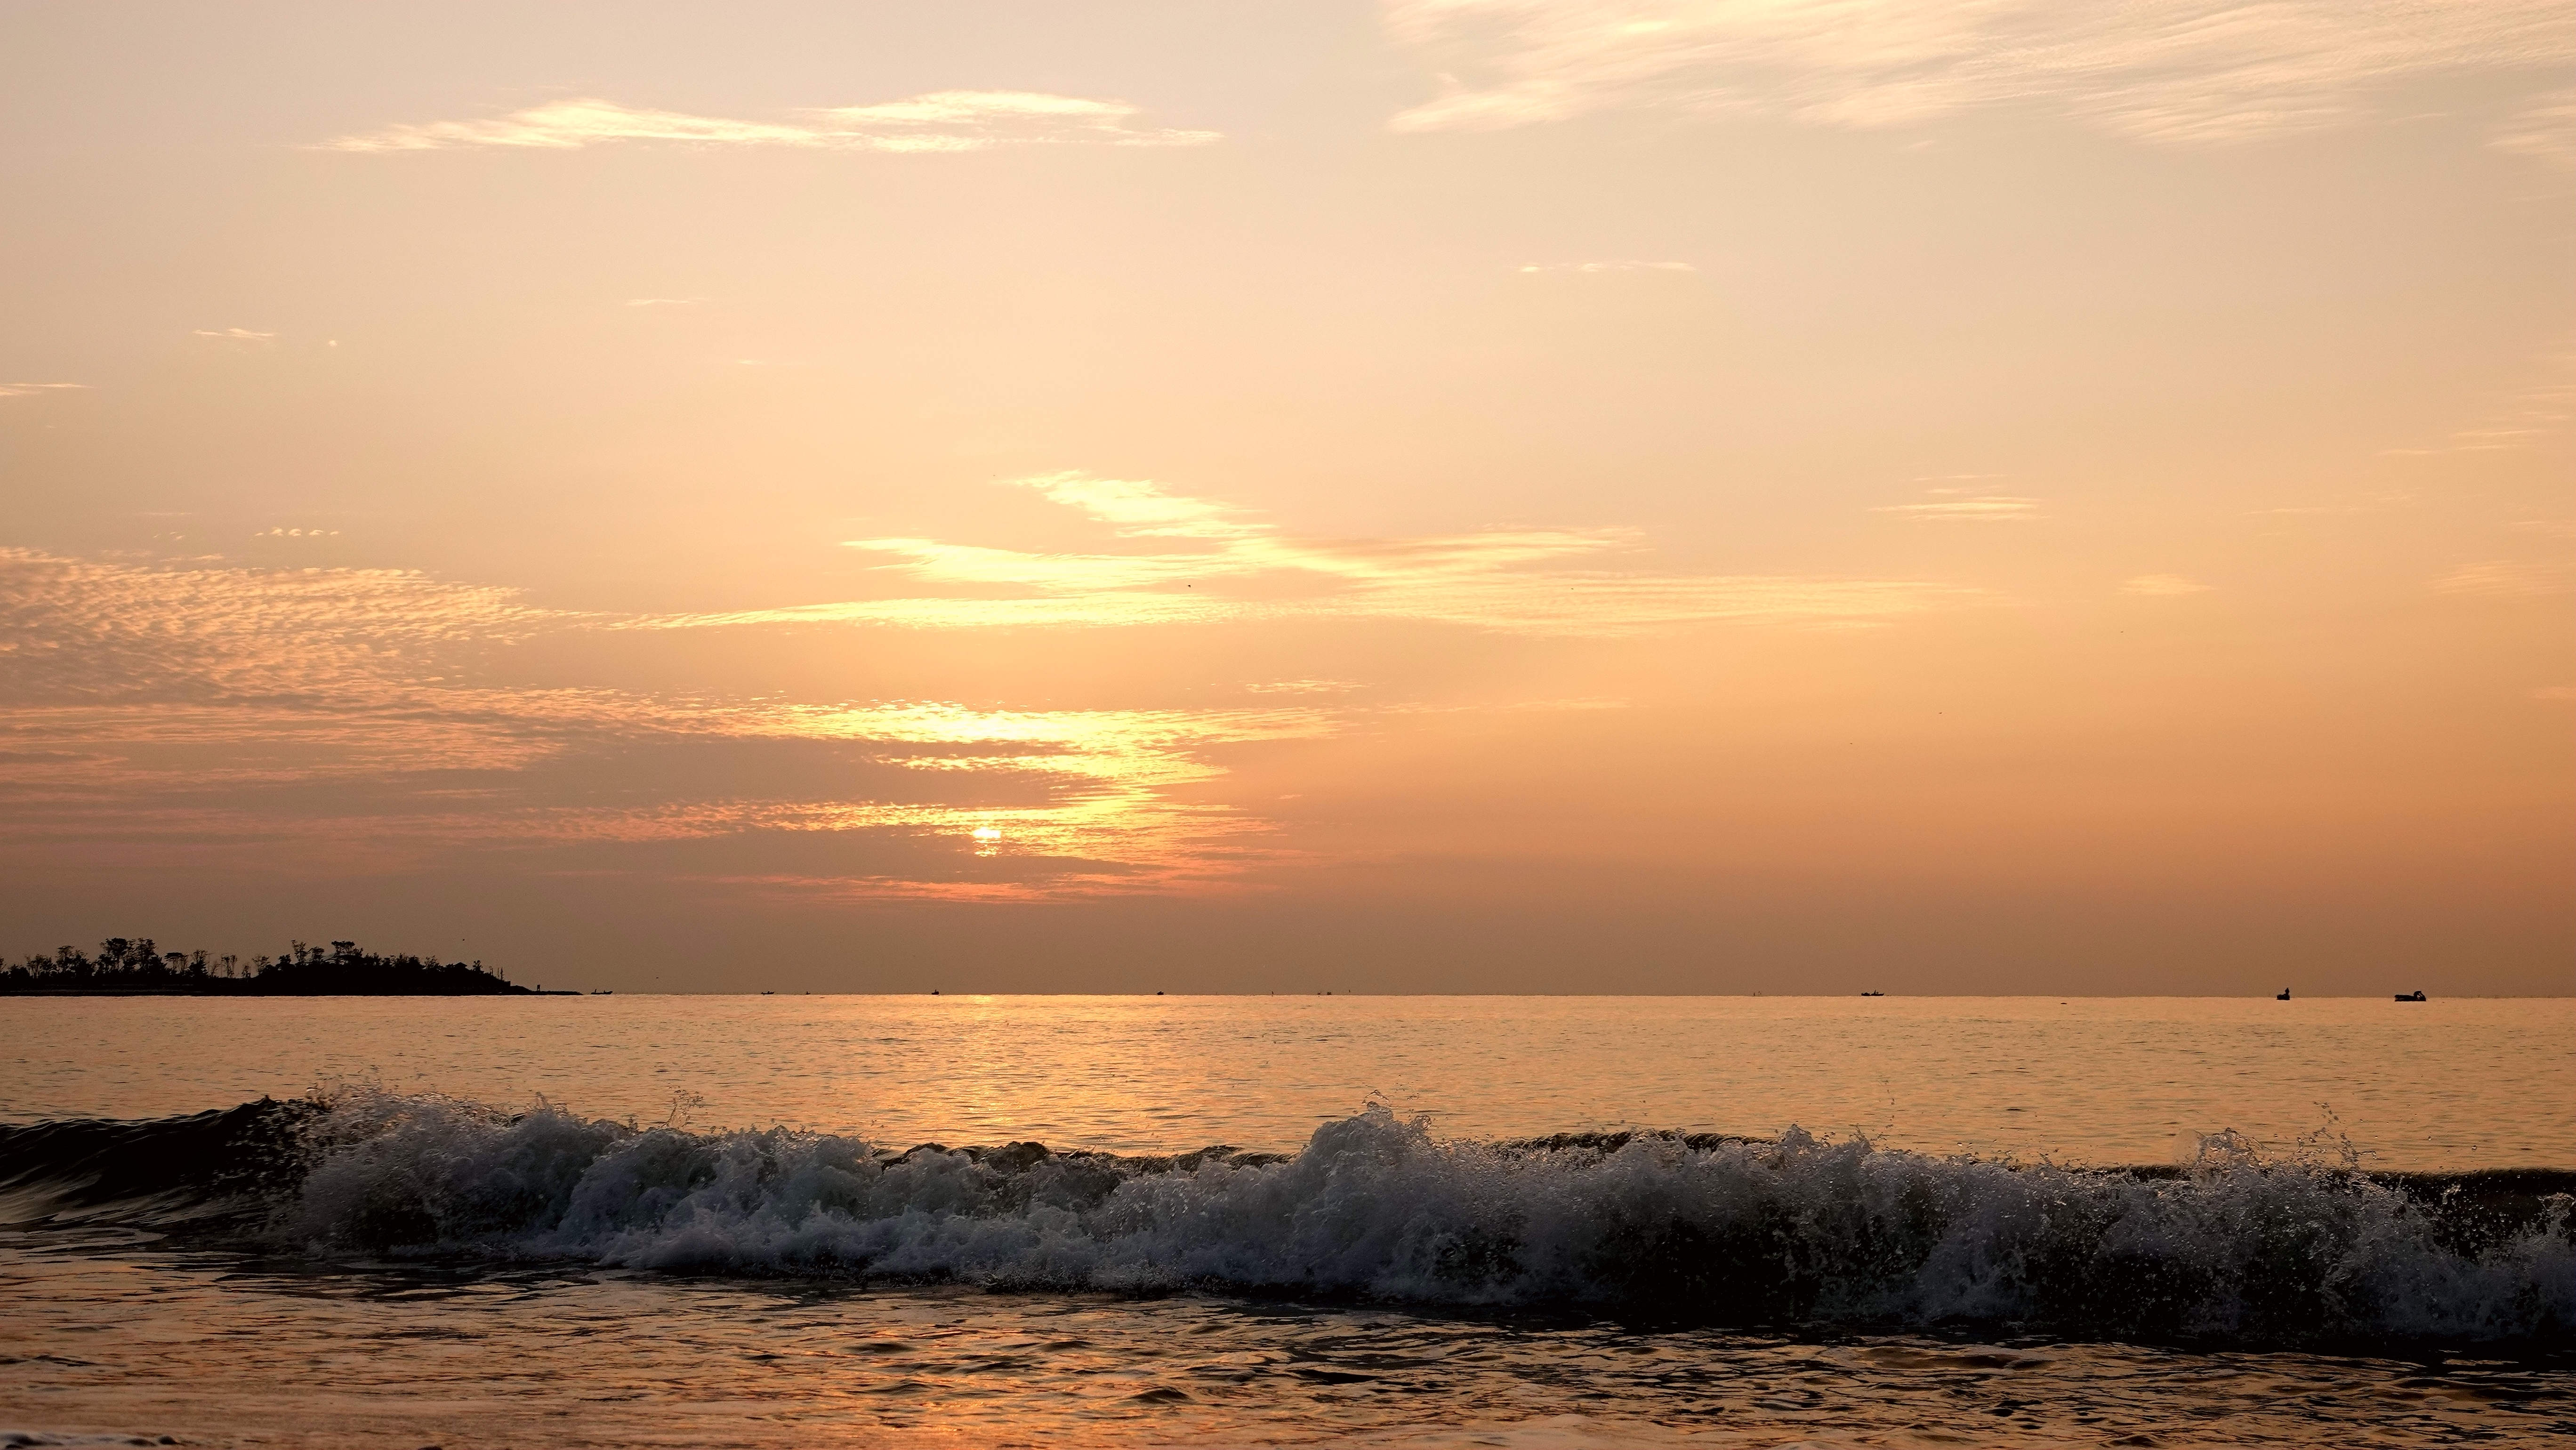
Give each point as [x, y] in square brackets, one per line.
[1873, 994]
[2414, 996]
[2284, 997]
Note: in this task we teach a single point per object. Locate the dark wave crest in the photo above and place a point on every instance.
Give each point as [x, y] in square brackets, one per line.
[221, 1166]
[1712, 1230]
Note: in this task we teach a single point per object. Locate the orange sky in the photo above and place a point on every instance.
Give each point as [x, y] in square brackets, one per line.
[1488, 495]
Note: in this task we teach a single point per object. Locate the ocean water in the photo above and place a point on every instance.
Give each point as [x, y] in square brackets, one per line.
[1210, 1221]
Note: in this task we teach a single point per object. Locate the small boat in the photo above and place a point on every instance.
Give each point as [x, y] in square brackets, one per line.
[2414, 996]
[1873, 994]
[2284, 997]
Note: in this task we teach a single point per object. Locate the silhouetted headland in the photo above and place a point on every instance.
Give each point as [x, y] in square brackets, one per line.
[134, 967]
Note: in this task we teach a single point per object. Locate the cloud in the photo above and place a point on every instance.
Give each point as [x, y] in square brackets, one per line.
[2552, 528]
[1303, 687]
[1598, 267]
[36, 390]
[236, 334]
[2375, 503]
[939, 121]
[2507, 579]
[1957, 505]
[2545, 130]
[1219, 564]
[2176, 71]
[2528, 415]
[156, 704]
[2555, 692]
[85, 630]
[297, 534]
[1138, 509]
[2160, 585]
[332, 719]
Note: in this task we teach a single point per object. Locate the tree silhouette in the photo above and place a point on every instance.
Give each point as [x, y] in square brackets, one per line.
[136, 964]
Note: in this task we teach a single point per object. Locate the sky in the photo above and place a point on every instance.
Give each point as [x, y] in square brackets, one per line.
[1298, 495]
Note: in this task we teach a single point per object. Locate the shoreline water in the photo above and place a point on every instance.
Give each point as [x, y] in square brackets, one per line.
[394, 1356]
[1696, 1228]
[648, 1221]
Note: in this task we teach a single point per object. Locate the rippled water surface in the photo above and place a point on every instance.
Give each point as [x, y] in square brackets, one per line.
[220, 1352]
[2431, 1085]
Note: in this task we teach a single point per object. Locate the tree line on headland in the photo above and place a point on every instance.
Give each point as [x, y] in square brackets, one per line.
[135, 965]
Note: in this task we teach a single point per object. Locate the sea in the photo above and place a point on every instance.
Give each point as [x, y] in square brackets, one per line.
[620, 1220]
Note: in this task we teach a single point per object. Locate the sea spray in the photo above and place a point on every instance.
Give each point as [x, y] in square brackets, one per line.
[1711, 1230]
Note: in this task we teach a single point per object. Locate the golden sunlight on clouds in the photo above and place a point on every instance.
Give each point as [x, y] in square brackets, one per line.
[2162, 585]
[939, 121]
[218, 694]
[2166, 71]
[1517, 581]
[216, 689]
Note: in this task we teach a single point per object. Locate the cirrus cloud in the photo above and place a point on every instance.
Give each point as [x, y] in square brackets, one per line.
[2165, 70]
[1205, 563]
[936, 122]
[1959, 506]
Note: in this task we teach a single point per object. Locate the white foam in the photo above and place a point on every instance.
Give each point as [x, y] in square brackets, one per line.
[1375, 1206]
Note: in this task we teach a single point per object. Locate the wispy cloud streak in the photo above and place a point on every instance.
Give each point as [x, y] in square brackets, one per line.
[1958, 506]
[1217, 564]
[939, 121]
[2506, 578]
[1589, 269]
[198, 701]
[2529, 415]
[2545, 129]
[2165, 70]
[214, 699]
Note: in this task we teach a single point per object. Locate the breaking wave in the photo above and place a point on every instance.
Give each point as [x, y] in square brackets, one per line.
[1712, 1230]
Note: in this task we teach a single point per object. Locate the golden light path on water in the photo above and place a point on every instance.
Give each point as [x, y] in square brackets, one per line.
[2447, 1084]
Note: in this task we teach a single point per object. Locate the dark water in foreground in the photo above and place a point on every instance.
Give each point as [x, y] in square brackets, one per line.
[219, 1350]
[395, 1268]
